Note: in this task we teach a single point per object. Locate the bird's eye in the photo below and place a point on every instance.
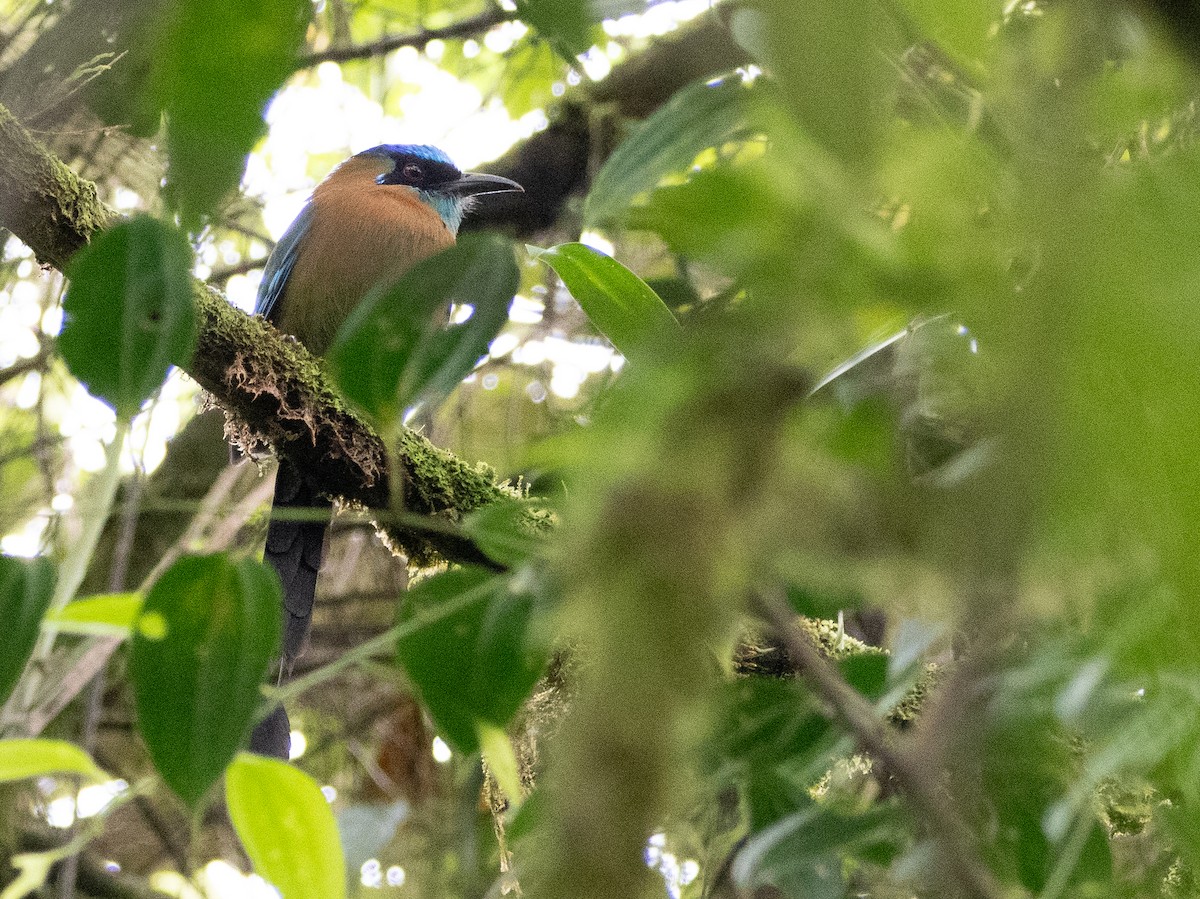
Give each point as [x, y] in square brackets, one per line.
[412, 172]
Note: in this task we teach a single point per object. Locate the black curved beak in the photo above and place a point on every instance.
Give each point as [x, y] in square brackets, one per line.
[472, 184]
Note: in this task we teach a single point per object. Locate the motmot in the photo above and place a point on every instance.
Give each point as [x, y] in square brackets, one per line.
[373, 218]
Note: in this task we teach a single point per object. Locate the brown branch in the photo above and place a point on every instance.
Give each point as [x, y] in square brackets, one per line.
[220, 276]
[466, 28]
[553, 163]
[916, 777]
[24, 366]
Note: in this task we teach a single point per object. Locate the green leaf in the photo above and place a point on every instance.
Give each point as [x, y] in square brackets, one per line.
[128, 312]
[830, 61]
[619, 303]
[772, 734]
[287, 827]
[107, 615]
[821, 602]
[477, 664]
[740, 219]
[214, 101]
[960, 27]
[699, 116]
[565, 24]
[392, 352]
[26, 588]
[497, 750]
[367, 828]
[20, 759]
[866, 673]
[503, 530]
[802, 853]
[201, 647]
[34, 868]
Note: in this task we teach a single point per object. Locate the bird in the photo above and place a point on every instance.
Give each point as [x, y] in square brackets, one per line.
[373, 218]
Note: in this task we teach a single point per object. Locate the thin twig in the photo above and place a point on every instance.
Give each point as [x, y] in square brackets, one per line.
[466, 28]
[24, 366]
[205, 515]
[914, 776]
[220, 276]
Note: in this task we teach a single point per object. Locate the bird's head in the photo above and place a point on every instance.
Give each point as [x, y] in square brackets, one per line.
[437, 180]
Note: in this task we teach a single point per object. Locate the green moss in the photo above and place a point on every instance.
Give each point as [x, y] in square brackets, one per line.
[1126, 810]
[907, 710]
[834, 642]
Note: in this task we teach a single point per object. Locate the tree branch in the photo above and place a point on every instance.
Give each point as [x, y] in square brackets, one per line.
[917, 778]
[273, 386]
[553, 164]
[466, 28]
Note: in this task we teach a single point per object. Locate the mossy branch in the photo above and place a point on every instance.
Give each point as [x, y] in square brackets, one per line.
[272, 385]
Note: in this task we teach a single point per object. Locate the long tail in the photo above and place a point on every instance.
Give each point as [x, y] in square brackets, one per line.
[294, 549]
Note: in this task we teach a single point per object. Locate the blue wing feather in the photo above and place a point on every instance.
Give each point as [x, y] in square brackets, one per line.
[280, 264]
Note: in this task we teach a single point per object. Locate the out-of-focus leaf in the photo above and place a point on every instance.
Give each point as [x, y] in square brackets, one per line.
[20, 759]
[287, 827]
[109, 615]
[128, 311]
[34, 869]
[476, 664]
[676, 292]
[565, 24]
[392, 351]
[866, 673]
[698, 117]
[909, 642]
[731, 217]
[776, 742]
[366, 828]
[502, 530]
[816, 603]
[202, 644]
[26, 588]
[214, 101]
[802, 853]
[618, 302]
[960, 27]
[830, 62]
[497, 751]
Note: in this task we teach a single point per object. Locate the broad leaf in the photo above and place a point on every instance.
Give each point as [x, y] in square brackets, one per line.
[774, 741]
[619, 303]
[26, 588]
[287, 827]
[504, 531]
[565, 24]
[34, 868]
[829, 60]
[393, 351]
[960, 27]
[698, 117]
[107, 615]
[214, 101]
[866, 673]
[20, 759]
[202, 644]
[476, 664]
[128, 312]
[802, 853]
[367, 828]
